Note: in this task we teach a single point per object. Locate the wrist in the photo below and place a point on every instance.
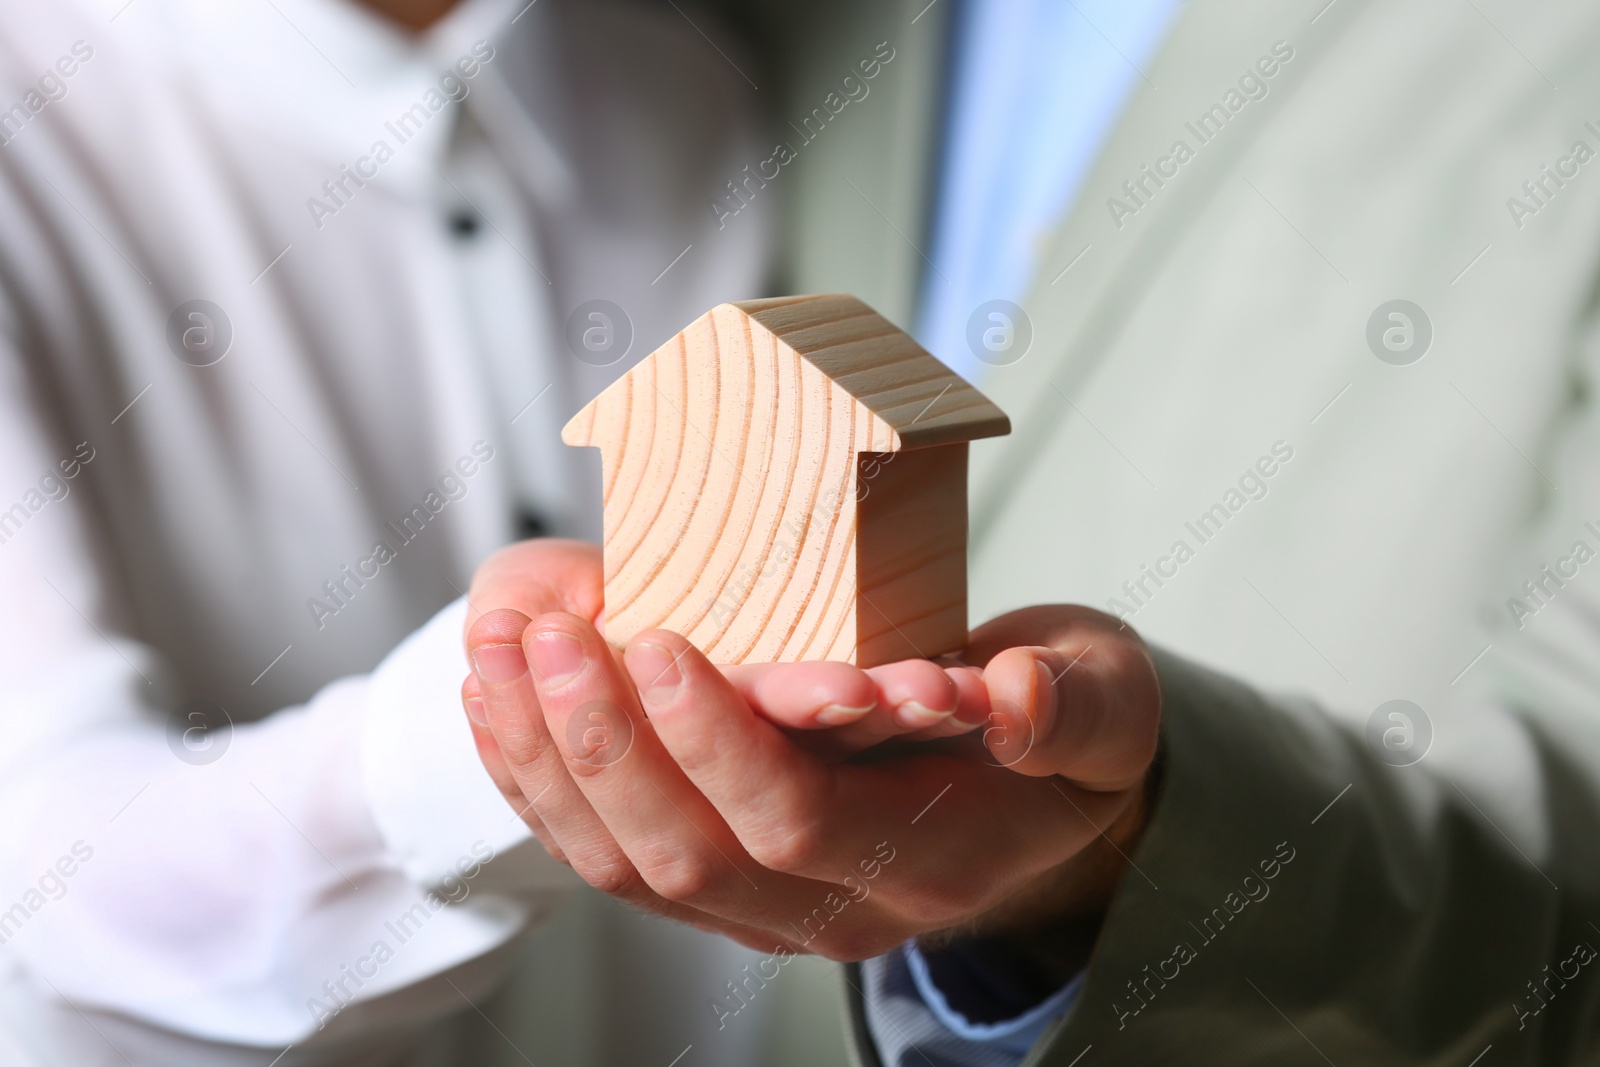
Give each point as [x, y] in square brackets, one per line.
[1047, 929]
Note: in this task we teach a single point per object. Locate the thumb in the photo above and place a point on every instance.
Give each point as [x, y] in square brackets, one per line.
[1091, 718]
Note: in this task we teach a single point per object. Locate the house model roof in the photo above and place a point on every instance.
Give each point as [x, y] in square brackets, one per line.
[917, 401]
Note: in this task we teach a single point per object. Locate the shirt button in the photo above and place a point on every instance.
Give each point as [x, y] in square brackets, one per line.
[531, 524]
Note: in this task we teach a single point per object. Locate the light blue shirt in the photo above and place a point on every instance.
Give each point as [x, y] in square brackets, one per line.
[1037, 87]
[913, 1025]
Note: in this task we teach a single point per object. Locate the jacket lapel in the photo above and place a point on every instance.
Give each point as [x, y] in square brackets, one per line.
[1094, 273]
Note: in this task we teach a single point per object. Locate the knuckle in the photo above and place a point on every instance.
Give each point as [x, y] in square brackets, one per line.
[524, 752]
[681, 880]
[581, 767]
[790, 847]
[615, 876]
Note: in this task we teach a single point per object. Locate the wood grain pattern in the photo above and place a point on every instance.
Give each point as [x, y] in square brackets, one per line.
[786, 480]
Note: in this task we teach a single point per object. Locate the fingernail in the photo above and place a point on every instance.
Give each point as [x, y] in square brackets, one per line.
[918, 716]
[477, 713]
[556, 656]
[840, 714]
[496, 664]
[654, 671]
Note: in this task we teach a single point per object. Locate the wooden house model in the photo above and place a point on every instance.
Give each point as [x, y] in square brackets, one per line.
[785, 480]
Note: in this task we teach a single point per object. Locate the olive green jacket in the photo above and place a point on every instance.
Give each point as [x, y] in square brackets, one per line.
[1300, 896]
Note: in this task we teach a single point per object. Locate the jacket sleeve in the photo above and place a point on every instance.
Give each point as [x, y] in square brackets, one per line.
[1293, 888]
[1410, 892]
[1408, 888]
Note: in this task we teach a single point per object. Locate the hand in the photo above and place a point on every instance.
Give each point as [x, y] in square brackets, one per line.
[653, 775]
[830, 708]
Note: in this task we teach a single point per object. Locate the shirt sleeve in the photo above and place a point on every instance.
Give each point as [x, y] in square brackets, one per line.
[428, 793]
[914, 1020]
[250, 883]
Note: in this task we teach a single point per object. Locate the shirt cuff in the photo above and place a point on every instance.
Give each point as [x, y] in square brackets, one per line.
[430, 796]
[1015, 1035]
[897, 1017]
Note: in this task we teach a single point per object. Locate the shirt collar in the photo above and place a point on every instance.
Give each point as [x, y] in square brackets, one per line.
[324, 74]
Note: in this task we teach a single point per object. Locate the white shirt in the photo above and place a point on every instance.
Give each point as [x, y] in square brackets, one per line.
[378, 364]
